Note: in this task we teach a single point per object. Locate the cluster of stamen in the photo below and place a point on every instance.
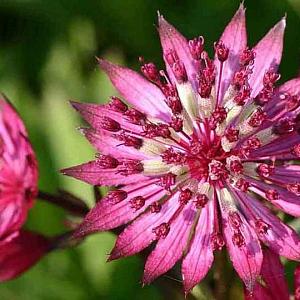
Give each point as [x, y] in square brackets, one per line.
[198, 148]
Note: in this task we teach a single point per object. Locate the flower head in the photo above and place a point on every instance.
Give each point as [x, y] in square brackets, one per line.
[198, 155]
[18, 171]
[19, 249]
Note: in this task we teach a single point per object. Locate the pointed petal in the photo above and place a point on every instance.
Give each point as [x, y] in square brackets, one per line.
[234, 38]
[283, 143]
[272, 277]
[91, 173]
[275, 106]
[139, 235]
[169, 250]
[268, 54]
[21, 253]
[273, 274]
[171, 39]
[247, 259]
[287, 201]
[94, 113]
[280, 238]
[105, 215]
[105, 143]
[139, 92]
[200, 256]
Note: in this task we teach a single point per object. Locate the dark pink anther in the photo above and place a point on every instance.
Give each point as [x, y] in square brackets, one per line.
[240, 78]
[257, 118]
[235, 220]
[270, 78]
[217, 241]
[236, 166]
[150, 71]
[150, 130]
[175, 104]
[272, 194]
[265, 170]
[170, 156]
[261, 226]
[185, 195]
[284, 126]
[177, 66]
[107, 162]
[169, 90]
[264, 96]
[247, 57]
[110, 124]
[206, 77]
[136, 117]
[253, 143]
[232, 134]
[163, 130]
[242, 96]
[137, 202]
[155, 207]
[116, 104]
[196, 46]
[116, 196]
[167, 180]
[201, 200]
[130, 141]
[162, 230]
[218, 116]
[294, 188]
[221, 51]
[242, 185]
[131, 167]
[176, 123]
[195, 147]
[204, 88]
[238, 239]
[217, 170]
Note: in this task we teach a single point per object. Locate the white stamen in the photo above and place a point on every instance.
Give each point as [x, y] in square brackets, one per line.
[188, 99]
[226, 145]
[151, 147]
[155, 167]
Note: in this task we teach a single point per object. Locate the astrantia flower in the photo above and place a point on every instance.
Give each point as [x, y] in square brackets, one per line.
[199, 155]
[18, 171]
[19, 249]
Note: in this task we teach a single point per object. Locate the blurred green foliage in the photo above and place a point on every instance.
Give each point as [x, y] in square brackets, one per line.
[47, 56]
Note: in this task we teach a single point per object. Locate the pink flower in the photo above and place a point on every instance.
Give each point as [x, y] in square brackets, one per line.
[18, 172]
[199, 155]
[18, 183]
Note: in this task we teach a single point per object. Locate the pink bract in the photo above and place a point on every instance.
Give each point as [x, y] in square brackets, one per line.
[198, 155]
[19, 249]
[18, 171]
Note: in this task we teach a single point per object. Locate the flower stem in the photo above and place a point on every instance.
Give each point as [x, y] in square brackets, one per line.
[67, 201]
[220, 276]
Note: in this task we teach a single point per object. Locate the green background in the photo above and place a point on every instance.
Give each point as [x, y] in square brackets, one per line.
[47, 57]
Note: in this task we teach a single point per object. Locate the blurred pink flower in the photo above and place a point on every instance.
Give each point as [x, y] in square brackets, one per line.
[200, 155]
[18, 183]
